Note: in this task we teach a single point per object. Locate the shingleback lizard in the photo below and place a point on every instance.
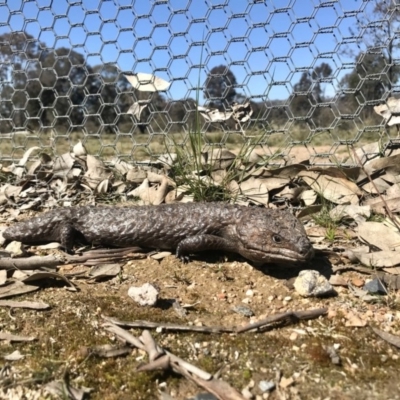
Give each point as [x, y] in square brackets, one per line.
[259, 234]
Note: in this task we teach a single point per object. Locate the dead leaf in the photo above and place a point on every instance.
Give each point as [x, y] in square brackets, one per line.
[214, 115]
[160, 255]
[151, 194]
[8, 191]
[379, 235]
[33, 305]
[147, 82]
[388, 337]
[16, 338]
[379, 186]
[65, 391]
[379, 259]
[96, 172]
[16, 289]
[3, 277]
[337, 190]
[392, 270]
[14, 356]
[136, 108]
[52, 275]
[105, 271]
[63, 165]
[255, 189]
[350, 211]
[389, 111]
[308, 196]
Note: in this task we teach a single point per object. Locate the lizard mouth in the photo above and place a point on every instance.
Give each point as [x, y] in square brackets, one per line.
[279, 255]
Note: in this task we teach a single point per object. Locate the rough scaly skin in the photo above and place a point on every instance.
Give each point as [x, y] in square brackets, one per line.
[261, 235]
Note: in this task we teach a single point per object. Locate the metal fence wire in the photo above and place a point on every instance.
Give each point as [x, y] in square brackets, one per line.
[132, 79]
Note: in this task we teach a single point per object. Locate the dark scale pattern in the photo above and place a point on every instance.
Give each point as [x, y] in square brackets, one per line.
[259, 234]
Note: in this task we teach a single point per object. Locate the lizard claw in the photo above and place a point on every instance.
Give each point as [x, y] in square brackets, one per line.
[184, 258]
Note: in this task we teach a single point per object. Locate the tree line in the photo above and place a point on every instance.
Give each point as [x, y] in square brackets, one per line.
[43, 88]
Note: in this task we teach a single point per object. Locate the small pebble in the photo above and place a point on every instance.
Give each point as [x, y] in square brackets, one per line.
[266, 386]
[246, 311]
[358, 282]
[375, 287]
[250, 293]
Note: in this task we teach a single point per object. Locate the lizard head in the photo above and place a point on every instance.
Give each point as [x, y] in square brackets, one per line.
[273, 236]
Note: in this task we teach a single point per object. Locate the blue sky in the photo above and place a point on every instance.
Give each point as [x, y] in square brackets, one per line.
[266, 44]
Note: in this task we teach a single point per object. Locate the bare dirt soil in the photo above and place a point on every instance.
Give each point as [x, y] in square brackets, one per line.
[368, 366]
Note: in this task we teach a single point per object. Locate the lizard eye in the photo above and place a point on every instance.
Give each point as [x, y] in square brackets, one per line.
[277, 239]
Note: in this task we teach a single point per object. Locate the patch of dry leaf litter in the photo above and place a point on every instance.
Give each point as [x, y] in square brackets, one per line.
[74, 326]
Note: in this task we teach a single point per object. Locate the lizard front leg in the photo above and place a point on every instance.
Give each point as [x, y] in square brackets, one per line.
[195, 244]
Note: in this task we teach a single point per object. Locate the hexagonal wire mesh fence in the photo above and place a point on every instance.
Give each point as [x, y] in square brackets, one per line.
[282, 73]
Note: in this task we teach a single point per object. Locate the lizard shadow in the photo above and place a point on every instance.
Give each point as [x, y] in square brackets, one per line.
[289, 271]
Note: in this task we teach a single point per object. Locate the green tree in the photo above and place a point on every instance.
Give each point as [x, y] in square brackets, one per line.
[220, 87]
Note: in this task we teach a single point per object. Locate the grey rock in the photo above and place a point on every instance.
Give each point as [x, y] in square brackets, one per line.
[203, 396]
[375, 287]
[246, 311]
[311, 283]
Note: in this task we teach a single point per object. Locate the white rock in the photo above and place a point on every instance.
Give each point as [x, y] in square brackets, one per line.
[145, 295]
[312, 283]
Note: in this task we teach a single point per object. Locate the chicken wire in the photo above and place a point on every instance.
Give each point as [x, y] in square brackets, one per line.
[278, 74]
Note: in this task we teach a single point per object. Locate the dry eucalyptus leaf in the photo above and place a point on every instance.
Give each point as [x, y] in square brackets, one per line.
[136, 175]
[151, 194]
[379, 186]
[32, 305]
[63, 390]
[63, 164]
[52, 275]
[103, 186]
[3, 277]
[136, 108]
[392, 270]
[105, 271]
[218, 158]
[378, 206]
[16, 338]
[255, 189]
[308, 196]
[121, 166]
[96, 171]
[7, 191]
[16, 289]
[33, 169]
[379, 259]
[14, 356]
[379, 235]
[27, 154]
[147, 82]
[389, 163]
[214, 115]
[350, 211]
[79, 149]
[337, 190]
[388, 337]
[390, 111]
[160, 255]
[367, 153]
[288, 171]
[49, 246]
